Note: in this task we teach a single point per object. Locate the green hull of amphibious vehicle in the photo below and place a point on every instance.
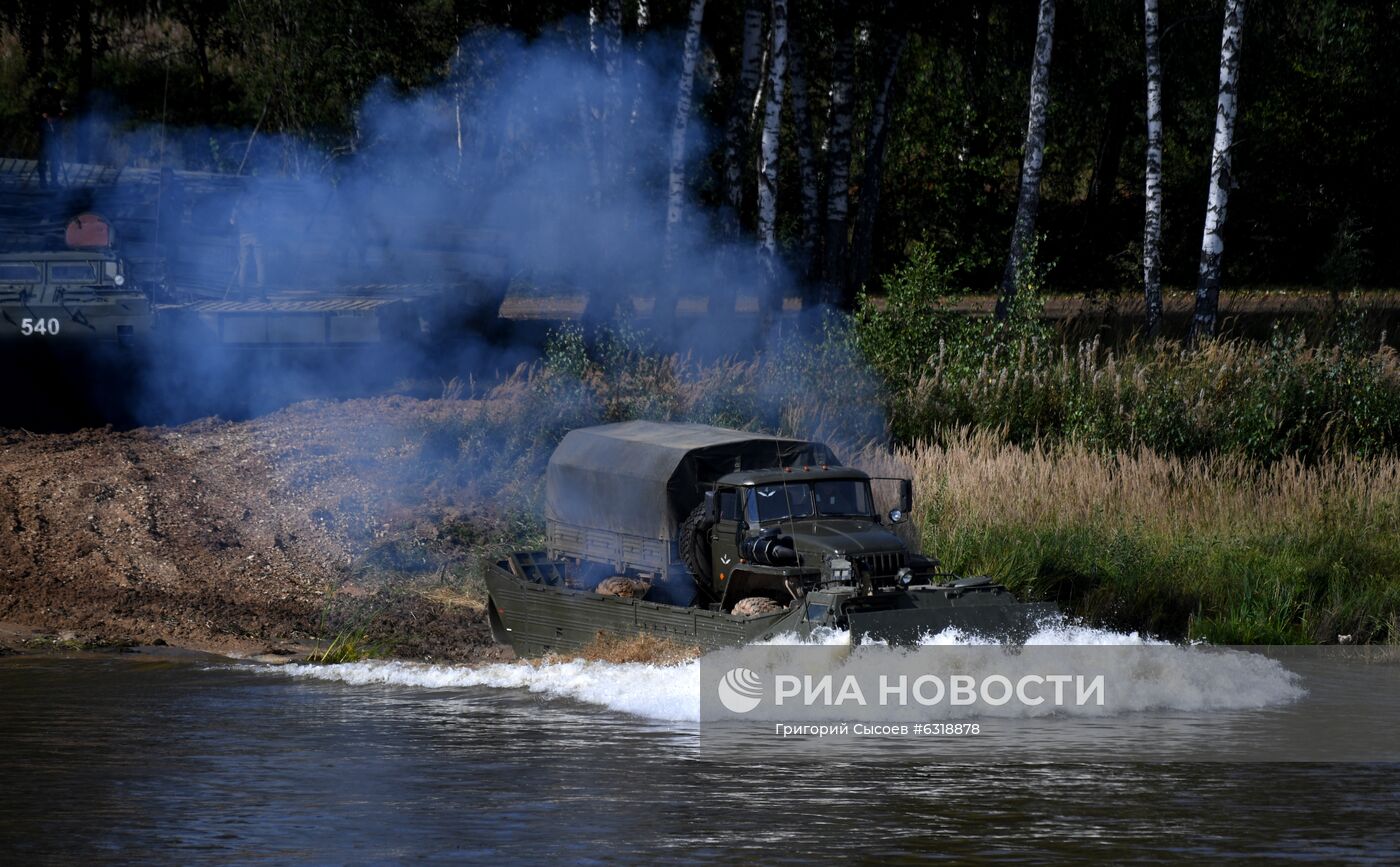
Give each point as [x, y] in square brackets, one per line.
[712, 537]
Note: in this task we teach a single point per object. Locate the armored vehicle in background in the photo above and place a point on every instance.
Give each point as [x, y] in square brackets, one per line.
[80, 296]
[714, 537]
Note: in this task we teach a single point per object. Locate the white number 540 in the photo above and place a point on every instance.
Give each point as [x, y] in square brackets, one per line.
[38, 326]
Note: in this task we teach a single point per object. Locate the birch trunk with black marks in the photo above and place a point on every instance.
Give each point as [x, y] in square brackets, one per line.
[802, 124]
[863, 240]
[612, 37]
[1212, 238]
[594, 21]
[737, 126]
[768, 149]
[838, 153]
[587, 132]
[1032, 161]
[610, 126]
[1152, 194]
[638, 63]
[675, 191]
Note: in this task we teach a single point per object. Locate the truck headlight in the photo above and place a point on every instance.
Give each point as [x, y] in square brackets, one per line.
[119, 280]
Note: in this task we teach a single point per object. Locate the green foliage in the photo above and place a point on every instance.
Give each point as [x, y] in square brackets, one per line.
[1324, 568]
[1283, 398]
[1288, 588]
[566, 351]
[1315, 144]
[350, 645]
[899, 336]
[1024, 315]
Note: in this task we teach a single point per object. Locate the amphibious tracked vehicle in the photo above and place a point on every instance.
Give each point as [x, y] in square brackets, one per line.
[78, 295]
[713, 537]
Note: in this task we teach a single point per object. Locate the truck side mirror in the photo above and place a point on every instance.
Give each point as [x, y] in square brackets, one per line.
[711, 508]
[906, 502]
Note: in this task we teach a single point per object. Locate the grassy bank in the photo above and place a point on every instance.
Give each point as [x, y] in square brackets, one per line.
[1244, 492]
[1219, 548]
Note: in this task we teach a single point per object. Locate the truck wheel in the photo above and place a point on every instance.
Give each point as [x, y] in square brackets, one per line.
[753, 606]
[695, 546]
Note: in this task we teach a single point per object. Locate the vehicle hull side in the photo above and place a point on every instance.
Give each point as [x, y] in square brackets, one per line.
[540, 618]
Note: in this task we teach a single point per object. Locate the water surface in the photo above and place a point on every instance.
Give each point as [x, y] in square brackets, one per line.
[135, 757]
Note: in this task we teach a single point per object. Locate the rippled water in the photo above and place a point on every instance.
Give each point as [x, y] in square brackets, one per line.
[162, 760]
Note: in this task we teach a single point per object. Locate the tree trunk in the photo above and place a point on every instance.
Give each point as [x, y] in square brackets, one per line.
[595, 19]
[639, 64]
[590, 151]
[1212, 240]
[768, 151]
[675, 191]
[736, 128]
[612, 37]
[802, 123]
[1152, 217]
[863, 242]
[838, 152]
[1023, 231]
[610, 123]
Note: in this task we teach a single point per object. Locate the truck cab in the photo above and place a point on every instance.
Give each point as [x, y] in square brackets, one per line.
[72, 297]
[787, 531]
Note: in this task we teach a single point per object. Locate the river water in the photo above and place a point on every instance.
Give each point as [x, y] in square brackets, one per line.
[167, 759]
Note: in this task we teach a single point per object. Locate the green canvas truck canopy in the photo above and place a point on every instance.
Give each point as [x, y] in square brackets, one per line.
[642, 478]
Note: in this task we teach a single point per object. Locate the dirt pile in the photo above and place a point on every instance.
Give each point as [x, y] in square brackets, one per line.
[232, 537]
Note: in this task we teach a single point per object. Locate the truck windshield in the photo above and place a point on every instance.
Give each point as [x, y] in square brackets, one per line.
[22, 272]
[834, 498]
[847, 497]
[72, 272]
[779, 502]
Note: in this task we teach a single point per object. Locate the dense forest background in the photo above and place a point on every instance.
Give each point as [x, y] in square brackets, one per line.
[1315, 157]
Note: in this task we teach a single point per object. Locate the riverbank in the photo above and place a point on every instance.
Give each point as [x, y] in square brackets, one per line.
[267, 537]
[1216, 548]
[358, 525]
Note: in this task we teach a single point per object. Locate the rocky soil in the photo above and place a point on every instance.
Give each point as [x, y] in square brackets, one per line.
[258, 537]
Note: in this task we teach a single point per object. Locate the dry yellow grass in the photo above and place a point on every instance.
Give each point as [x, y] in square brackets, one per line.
[976, 480]
[1221, 548]
[639, 648]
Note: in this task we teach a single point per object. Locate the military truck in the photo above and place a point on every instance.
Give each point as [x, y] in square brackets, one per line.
[78, 296]
[713, 537]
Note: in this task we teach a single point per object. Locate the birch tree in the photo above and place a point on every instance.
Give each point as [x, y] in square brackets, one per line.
[586, 125]
[838, 152]
[802, 124]
[1033, 158]
[639, 61]
[675, 190]
[745, 86]
[612, 37]
[768, 149]
[1152, 218]
[1212, 238]
[610, 125]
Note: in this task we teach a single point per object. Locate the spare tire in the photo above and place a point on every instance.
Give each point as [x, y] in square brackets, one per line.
[753, 606]
[695, 546]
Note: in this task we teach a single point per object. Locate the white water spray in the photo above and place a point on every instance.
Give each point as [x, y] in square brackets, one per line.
[1173, 681]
